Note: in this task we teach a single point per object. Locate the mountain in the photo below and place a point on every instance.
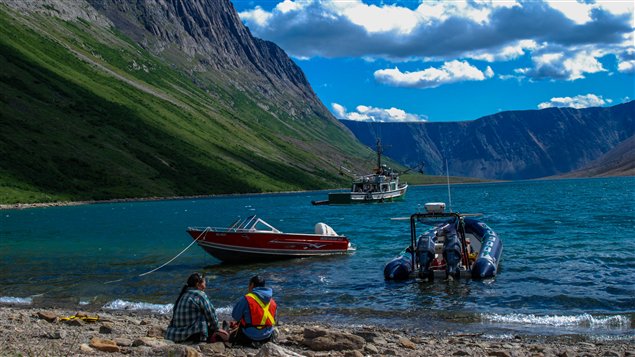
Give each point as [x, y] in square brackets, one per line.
[509, 145]
[104, 99]
[620, 161]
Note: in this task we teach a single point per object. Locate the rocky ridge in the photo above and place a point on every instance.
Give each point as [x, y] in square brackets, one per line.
[509, 145]
[212, 37]
[202, 35]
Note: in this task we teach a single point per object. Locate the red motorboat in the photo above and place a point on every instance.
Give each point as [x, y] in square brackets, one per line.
[252, 239]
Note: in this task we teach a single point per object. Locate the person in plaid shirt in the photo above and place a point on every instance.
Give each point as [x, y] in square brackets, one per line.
[194, 317]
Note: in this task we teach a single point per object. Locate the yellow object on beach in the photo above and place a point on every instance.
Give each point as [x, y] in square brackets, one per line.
[80, 317]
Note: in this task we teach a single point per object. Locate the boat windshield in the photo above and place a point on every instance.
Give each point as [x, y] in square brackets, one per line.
[254, 224]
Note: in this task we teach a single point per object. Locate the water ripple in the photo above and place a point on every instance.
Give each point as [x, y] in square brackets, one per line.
[564, 255]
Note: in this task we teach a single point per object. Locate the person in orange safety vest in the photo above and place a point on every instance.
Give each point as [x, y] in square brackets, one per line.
[256, 313]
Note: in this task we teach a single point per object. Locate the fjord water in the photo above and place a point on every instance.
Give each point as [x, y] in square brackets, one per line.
[568, 262]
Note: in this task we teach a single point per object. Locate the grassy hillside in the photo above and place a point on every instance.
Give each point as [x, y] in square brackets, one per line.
[87, 114]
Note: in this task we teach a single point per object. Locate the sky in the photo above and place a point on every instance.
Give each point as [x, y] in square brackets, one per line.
[453, 60]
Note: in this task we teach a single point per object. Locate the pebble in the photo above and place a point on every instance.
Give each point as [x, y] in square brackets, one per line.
[104, 345]
[353, 354]
[405, 342]
[56, 335]
[47, 315]
[106, 329]
[156, 331]
[499, 353]
[370, 348]
[123, 342]
[213, 348]
[86, 349]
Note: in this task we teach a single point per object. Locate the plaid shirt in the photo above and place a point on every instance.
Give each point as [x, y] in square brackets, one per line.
[194, 313]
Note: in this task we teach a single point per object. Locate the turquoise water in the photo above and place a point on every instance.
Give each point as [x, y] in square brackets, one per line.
[568, 260]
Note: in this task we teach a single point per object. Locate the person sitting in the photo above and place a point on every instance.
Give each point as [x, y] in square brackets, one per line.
[256, 314]
[194, 317]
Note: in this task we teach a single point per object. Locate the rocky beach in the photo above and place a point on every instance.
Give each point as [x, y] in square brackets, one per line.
[33, 331]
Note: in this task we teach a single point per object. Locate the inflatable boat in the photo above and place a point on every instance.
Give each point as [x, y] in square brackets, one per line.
[452, 246]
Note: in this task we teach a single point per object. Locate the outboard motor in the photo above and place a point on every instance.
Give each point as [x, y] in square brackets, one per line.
[452, 252]
[398, 268]
[324, 229]
[425, 255]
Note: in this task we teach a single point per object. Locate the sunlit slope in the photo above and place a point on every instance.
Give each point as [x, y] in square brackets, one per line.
[88, 114]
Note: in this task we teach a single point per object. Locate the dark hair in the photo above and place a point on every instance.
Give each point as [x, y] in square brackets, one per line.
[257, 281]
[192, 281]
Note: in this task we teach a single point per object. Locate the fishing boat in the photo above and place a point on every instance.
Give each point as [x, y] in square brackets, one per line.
[381, 186]
[452, 246]
[254, 240]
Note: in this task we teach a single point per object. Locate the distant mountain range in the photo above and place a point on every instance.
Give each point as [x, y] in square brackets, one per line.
[514, 145]
[105, 99]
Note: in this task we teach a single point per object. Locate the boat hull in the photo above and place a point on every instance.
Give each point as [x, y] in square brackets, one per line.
[344, 198]
[242, 247]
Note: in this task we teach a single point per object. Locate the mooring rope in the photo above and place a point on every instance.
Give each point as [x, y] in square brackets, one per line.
[169, 261]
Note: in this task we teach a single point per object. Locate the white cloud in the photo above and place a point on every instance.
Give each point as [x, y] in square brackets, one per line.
[626, 61]
[450, 72]
[339, 110]
[576, 11]
[582, 12]
[375, 19]
[441, 30]
[566, 66]
[578, 102]
[257, 16]
[626, 66]
[373, 114]
[288, 6]
[506, 53]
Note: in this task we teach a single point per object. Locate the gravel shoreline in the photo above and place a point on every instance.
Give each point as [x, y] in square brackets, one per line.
[34, 331]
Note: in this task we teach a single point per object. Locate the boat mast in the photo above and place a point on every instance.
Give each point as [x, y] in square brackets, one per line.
[379, 151]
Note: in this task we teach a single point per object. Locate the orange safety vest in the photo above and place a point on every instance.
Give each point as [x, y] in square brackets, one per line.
[261, 315]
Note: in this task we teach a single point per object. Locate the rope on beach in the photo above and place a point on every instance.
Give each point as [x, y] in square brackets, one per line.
[169, 261]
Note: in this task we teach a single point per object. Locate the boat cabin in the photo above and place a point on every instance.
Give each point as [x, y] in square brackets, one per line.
[375, 183]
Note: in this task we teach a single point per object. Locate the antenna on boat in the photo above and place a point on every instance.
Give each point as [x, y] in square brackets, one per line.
[379, 152]
[447, 174]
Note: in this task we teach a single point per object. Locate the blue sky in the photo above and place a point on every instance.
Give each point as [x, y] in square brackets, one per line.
[453, 60]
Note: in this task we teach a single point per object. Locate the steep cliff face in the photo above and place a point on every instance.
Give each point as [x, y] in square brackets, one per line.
[508, 145]
[211, 36]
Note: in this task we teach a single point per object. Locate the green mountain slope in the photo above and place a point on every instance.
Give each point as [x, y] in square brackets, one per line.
[86, 113]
